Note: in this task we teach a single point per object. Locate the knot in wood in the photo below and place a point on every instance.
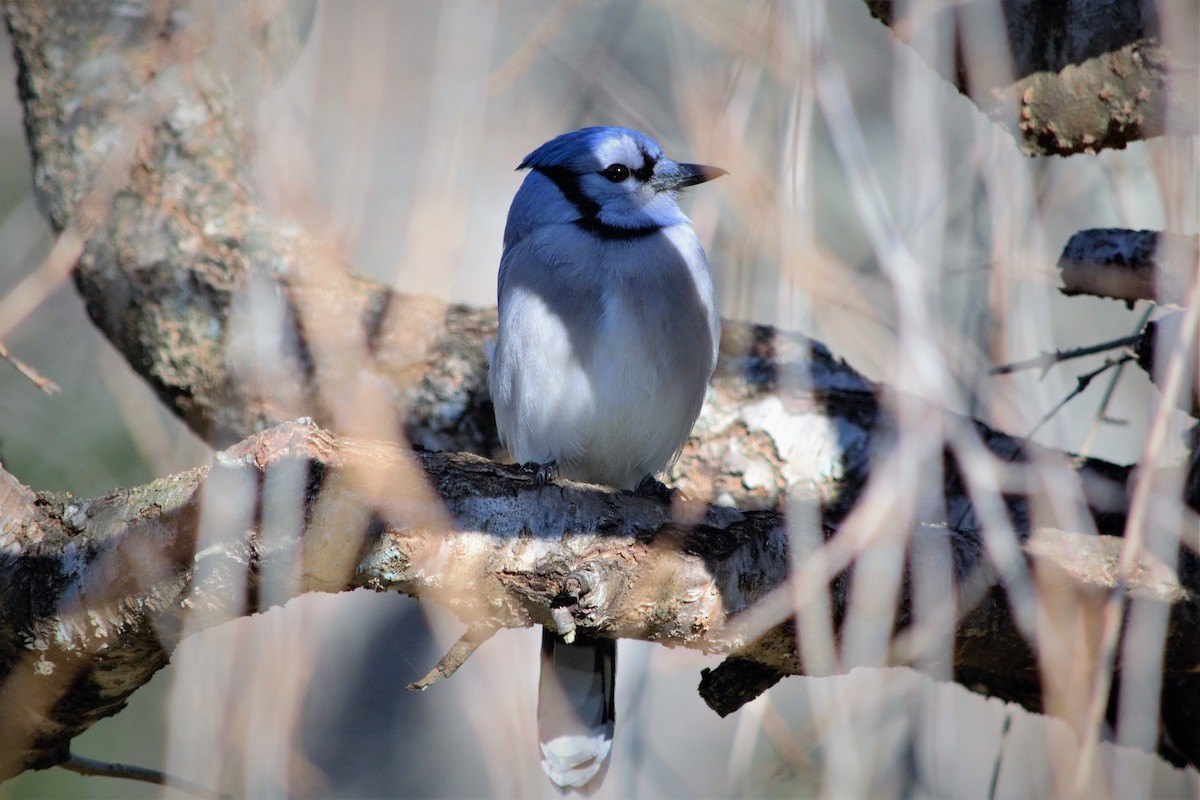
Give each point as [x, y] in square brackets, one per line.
[578, 585]
[585, 597]
[588, 586]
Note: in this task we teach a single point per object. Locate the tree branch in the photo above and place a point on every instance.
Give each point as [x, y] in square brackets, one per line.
[1065, 76]
[187, 276]
[1130, 265]
[97, 593]
[240, 321]
[1162, 268]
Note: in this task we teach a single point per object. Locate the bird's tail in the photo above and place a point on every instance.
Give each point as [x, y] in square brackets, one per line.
[577, 710]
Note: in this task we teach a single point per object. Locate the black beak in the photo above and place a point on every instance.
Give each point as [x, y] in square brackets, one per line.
[698, 173]
[681, 176]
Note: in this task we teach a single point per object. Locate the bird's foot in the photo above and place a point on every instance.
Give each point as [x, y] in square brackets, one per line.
[655, 489]
[542, 473]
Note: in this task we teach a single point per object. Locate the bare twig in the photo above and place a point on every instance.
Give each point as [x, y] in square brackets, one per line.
[1081, 384]
[38, 379]
[1046, 360]
[35, 287]
[999, 762]
[455, 657]
[1101, 416]
[109, 769]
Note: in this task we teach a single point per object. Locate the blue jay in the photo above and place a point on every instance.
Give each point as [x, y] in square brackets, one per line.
[608, 336]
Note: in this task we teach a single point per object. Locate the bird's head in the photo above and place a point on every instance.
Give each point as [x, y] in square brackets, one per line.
[617, 179]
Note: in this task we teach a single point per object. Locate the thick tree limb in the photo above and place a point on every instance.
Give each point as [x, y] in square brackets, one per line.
[97, 593]
[1066, 76]
[1130, 265]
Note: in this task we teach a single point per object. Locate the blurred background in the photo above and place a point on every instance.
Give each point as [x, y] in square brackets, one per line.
[394, 138]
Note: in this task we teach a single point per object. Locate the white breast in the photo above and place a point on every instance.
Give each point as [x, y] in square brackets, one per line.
[609, 381]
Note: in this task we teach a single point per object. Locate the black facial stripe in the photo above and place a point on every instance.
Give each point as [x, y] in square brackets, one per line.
[589, 210]
[568, 183]
[647, 169]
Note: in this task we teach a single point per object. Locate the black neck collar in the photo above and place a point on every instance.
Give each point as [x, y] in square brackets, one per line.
[589, 210]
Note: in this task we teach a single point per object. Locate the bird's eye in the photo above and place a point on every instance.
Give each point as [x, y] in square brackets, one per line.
[615, 172]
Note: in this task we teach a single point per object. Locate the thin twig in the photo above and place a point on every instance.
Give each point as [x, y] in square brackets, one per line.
[1081, 383]
[32, 290]
[1102, 411]
[1047, 360]
[994, 783]
[108, 769]
[455, 657]
[39, 380]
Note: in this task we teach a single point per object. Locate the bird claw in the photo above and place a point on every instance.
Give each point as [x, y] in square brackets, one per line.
[542, 473]
[655, 489]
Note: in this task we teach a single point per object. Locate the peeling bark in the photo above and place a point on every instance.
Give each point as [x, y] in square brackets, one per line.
[1066, 77]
